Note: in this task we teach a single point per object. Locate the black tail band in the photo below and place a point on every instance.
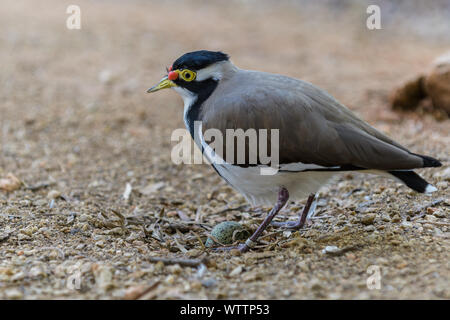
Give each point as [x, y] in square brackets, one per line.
[411, 179]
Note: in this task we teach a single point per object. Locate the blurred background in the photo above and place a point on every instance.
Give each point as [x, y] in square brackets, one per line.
[63, 89]
[74, 112]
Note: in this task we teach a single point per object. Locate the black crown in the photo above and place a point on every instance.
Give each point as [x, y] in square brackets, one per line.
[197, 60]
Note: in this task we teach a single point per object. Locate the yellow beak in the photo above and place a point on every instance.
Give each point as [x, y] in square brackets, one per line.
[163, 84]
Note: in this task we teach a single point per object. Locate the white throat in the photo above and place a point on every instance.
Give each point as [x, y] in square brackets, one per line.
[189, 99]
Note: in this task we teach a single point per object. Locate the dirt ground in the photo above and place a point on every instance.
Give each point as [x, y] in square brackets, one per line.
[76, 126]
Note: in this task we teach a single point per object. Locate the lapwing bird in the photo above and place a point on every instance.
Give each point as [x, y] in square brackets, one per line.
[318, 137]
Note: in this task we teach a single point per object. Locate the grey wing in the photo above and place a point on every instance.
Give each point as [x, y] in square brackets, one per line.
[313, 127]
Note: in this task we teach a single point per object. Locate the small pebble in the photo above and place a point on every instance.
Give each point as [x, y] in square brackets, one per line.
[442, 185]
[331, 250]
[236, 271]
[53, 194]
[36, 272]
[40, 203]
[443, 174]
[209, 283]
[100, 244]
[18, 276]
[430, 210]
[22, 236]
[368, 219]
[196, 285]
[316, 285]
[235, 252]
[13, 294]
[175, 269]
[134, 292]
[170, 279]
[439, 213]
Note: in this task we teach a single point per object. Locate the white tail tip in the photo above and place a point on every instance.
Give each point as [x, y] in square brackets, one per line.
[430, 189]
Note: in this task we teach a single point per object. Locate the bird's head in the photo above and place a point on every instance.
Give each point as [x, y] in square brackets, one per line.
[194, 72]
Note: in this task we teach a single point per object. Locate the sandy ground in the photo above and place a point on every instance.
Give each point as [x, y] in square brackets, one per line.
[77, 126]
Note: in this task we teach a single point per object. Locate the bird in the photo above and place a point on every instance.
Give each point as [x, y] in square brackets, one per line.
[318, 137]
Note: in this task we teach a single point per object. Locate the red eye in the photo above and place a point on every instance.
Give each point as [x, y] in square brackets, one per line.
[172, 75]
[170, 68]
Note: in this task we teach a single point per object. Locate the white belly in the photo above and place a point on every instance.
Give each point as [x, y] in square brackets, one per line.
[263, 189]
[260, 189]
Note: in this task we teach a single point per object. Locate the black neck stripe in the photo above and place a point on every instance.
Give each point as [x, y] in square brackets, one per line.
[206, 88]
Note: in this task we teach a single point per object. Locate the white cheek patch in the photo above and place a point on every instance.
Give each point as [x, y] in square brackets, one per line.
[214, 71]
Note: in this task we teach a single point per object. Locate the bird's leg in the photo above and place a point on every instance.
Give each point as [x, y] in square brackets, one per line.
[296, 225]
[283, 196]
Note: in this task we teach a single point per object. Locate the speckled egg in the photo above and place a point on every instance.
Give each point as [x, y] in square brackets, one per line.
[223, 232]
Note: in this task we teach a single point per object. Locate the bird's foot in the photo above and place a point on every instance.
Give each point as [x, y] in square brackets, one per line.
[283, 196]
[307, 212]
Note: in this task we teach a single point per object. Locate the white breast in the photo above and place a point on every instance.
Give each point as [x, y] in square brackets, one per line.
[188, 98]
[263, 189]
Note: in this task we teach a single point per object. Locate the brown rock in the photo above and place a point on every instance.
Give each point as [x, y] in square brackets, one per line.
[368, 219]
[409, 96]
[10, 183]
[437, 83]
[430, 91]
